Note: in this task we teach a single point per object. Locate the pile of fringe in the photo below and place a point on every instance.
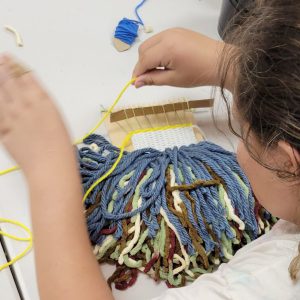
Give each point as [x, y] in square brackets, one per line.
[173, 215]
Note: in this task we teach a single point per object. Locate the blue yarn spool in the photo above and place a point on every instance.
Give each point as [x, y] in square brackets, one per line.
[127, 30]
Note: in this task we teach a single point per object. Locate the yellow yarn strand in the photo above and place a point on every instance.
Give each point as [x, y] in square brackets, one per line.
[79, 141]
[9, 170]
[122, 148]
[16, 238]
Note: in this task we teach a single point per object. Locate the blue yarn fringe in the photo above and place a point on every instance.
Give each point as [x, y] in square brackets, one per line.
[196, 157]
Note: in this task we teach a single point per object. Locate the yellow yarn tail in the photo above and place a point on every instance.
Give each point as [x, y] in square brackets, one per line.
[16, 238]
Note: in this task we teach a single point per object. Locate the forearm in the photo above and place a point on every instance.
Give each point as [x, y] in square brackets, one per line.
[66, 266]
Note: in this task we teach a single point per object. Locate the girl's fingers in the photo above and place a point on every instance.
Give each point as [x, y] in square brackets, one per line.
[19, 89]
[11, 86]
[2, 60]
[145, 51]
[149, 43]
[3, 99]
[149, 62]
[156, 77]
[3, 115]
[3, 105]
[3, 72]
[32, 89]
[20, 84]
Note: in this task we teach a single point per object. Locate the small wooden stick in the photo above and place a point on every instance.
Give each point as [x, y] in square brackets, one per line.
[159, 109]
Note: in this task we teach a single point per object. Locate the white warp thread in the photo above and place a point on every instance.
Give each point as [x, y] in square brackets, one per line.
[163, 139]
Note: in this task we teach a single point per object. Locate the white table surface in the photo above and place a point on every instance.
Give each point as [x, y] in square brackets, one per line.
[68, 43]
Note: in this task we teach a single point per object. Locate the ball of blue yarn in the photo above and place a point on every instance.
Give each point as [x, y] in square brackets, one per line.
[127, 31]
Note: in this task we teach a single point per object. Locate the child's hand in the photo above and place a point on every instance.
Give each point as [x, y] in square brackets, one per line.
[190, 59]
[31, 128]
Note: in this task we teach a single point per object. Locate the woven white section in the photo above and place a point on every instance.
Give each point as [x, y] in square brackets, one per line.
[163, 139]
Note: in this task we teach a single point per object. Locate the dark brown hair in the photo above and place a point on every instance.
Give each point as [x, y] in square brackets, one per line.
[265, 63]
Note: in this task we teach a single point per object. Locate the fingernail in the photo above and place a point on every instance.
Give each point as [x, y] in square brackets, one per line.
[139, 84]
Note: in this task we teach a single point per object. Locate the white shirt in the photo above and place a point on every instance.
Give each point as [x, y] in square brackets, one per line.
[257, 271]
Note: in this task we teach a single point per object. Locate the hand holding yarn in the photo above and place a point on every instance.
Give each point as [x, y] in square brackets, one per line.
[178, 57]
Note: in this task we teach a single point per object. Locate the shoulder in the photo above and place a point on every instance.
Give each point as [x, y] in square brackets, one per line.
[258, 271]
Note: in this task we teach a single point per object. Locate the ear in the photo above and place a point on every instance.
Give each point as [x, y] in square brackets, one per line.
[293, 156]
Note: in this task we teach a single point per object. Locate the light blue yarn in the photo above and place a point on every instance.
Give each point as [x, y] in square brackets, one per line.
[200, 227]
[152, 191]
[210, 196]
[225, 164]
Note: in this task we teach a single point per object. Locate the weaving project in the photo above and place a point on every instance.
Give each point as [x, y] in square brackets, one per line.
[172, 214]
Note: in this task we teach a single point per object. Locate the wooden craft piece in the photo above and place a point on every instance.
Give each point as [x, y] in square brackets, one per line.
[159, 109]
[124, 121]
[120, 46]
